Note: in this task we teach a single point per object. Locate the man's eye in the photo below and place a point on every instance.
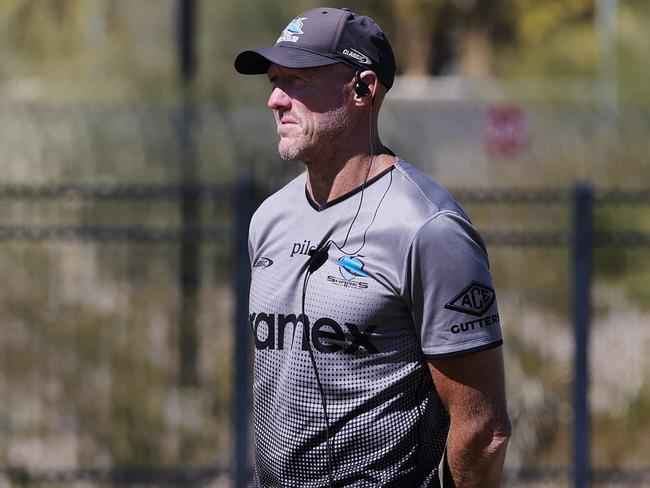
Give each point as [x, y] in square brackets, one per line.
[304, 81]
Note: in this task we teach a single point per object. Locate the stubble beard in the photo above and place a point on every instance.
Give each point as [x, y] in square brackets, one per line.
[290, 152]
[329, 132]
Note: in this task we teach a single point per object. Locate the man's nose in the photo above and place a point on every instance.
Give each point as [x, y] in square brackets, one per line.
[279, 100]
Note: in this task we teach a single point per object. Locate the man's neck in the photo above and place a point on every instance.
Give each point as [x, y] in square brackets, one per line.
[329, 179]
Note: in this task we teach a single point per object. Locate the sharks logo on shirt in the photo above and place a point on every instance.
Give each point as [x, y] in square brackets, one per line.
[351, 268]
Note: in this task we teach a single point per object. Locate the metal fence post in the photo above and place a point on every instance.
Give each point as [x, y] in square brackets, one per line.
[582, 268]
[241, 405]
[190, 204]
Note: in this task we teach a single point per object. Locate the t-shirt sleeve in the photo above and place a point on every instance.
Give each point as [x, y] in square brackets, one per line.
[253, 243]
[449, 288]
[251, 246]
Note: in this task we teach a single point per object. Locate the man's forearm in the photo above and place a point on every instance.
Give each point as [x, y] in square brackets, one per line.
[476, 456]
[472, 389]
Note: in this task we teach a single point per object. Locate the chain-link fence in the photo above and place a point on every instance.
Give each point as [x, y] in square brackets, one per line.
[95, 249]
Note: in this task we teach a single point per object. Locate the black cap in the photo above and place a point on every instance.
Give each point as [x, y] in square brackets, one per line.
[323, 36]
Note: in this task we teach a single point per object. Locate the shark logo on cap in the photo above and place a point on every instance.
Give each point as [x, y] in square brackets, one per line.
[292, 30]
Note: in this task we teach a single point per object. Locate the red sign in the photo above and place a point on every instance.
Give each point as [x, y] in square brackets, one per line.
[506, 132]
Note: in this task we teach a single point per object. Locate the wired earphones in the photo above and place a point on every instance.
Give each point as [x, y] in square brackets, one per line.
[319, 256]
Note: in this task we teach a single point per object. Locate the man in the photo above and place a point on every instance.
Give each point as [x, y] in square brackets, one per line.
[376, 327]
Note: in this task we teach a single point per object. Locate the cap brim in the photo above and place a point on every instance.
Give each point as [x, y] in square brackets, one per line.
[257, 61]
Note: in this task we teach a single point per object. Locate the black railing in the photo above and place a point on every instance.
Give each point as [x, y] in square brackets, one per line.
[242, 198]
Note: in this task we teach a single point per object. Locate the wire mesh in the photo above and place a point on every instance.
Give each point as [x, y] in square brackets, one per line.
[91, 232]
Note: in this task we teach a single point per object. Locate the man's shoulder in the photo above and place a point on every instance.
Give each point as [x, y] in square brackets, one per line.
[426, 196]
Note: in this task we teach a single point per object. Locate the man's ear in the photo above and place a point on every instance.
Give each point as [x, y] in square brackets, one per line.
[365, 85]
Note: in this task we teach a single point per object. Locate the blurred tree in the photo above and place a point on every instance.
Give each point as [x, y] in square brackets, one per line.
[485, 24]
[125, 48]
[553, 39]
[414, 23]
[41, 29]
[537, 19]
[450, 36]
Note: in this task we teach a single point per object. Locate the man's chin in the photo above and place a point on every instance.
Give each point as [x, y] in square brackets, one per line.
[289, 153]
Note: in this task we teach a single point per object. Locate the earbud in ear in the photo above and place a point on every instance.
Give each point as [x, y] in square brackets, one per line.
[361, 88]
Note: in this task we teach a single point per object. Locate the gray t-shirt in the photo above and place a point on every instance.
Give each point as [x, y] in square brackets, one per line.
[410, 283]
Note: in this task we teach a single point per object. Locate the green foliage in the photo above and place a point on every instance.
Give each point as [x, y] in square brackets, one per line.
[126, 49]
[617, 440]
[101, 362]
[558, 39]
[566, 52]
[624, 267]
[537, 20]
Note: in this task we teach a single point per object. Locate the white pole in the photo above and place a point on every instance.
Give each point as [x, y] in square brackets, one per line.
[606, 31]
